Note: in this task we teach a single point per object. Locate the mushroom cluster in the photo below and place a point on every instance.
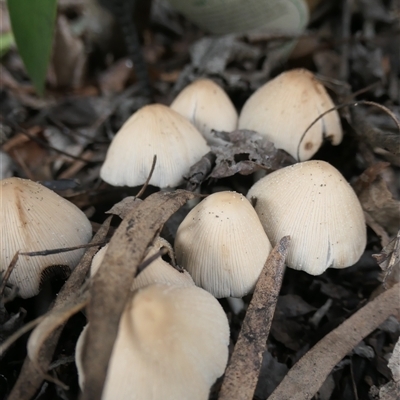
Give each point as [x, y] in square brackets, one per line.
[34, 218]
[314, 204]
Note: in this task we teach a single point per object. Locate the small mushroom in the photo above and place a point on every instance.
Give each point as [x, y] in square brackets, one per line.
[222, 244]
[34, 218]
[153, 130]
[207, 107]
[159, 271]
[313, 203]
[285, 107]
[172, 344]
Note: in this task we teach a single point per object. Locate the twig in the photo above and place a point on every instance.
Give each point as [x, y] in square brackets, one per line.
[244, 368]
[62, 249]
[309, 373]
[144, 187]
[6, 276]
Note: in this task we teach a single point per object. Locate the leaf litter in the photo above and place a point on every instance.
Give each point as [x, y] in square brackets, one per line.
[354, 50]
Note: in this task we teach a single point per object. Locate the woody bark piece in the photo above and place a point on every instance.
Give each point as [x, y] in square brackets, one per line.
[244, 367]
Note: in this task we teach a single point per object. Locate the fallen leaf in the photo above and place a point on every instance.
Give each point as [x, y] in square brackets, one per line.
[245, 152]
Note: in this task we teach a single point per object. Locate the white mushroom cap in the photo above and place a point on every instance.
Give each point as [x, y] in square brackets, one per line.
[153, 130]
[285, 107]
[34, 218]
[312, 202]
[159, 271]
[172, 344]
[207, 107]
[222, 244]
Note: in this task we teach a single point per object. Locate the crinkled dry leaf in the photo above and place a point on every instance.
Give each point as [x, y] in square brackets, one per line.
[379, 203]
[246, 152]
[389, 260]
[369, 176]
[394, 362]
[198, 172]
[69, 57]
[124, 207]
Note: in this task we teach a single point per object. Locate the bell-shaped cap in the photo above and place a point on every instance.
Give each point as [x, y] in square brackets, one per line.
[153, 130]
[34, 218]
[285, 107]
[207, 107]
[172, 344]
[313, 203]
[222, 244]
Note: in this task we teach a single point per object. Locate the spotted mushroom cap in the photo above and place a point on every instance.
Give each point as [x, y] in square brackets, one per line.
[222, 244]
[285, 107]
[172, 344]
[313, 203]
[159, 271]
[34, 218]
[153, 130]
[207, 107]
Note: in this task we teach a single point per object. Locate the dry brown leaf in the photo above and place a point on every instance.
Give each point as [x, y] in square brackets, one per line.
[309, 373]
[244, 367]
[111, 284]
[379, 203]
[30, 377]
[124, 207]
[389, 260]
[69, 57]
[246, 152]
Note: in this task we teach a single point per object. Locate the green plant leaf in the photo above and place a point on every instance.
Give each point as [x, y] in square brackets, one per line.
[32, 22]
[6, 41]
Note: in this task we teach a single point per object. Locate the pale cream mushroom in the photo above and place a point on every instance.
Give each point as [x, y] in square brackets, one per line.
[34, 218]
[285, 107]
[313, 203]
[159, 271]
[153, 130]
[222, 244]
[172, 344]
[207, 107]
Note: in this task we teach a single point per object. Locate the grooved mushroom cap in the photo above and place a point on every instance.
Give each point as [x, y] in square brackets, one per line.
[153, 130]
[313, 203]
[285, 107]
[222, 244]
[172, 344]
[159, 271]
[34, 218]
[207, 107]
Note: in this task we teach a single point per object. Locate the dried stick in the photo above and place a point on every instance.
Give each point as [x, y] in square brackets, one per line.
[306, 377]
[244, 368]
